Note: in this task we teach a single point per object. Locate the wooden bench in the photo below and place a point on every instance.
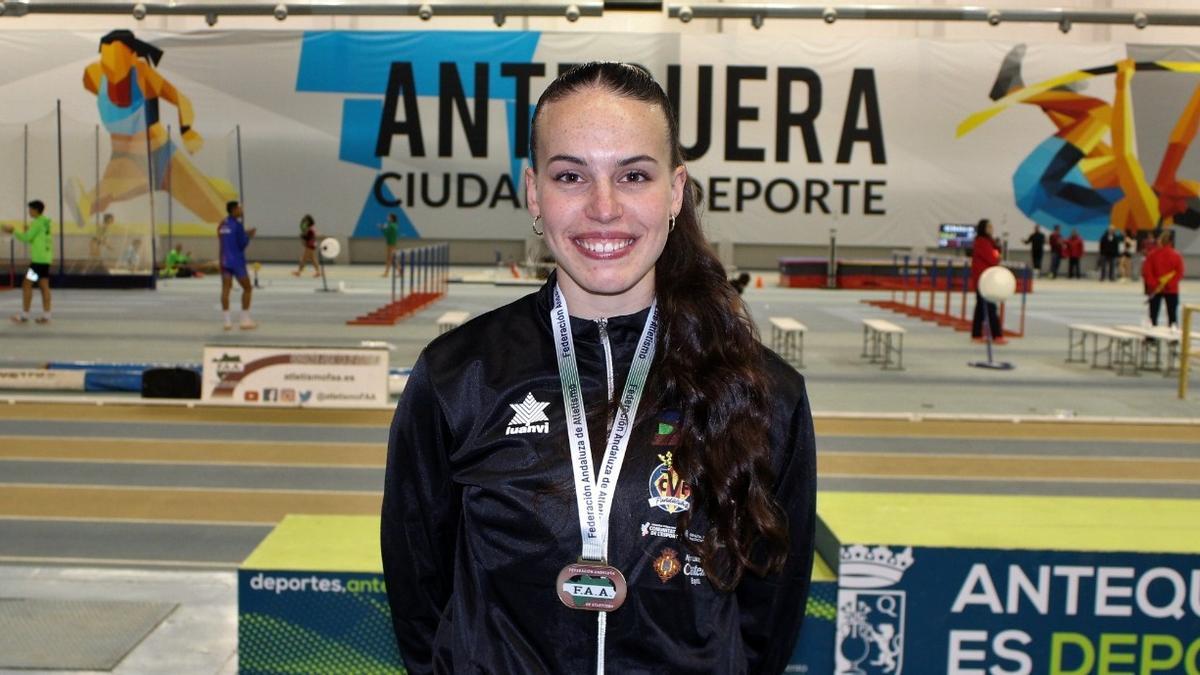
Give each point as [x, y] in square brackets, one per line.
[787, 339]
[1120, 347]
[451, 320]
[881, 339]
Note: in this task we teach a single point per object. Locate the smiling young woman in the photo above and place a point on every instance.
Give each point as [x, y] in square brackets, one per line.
[683, 542]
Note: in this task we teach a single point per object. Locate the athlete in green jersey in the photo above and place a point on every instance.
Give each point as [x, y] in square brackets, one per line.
[390, 233]
[177, 263]
[41, 254]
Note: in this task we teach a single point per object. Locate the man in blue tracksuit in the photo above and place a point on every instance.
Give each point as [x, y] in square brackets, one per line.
[233, 238]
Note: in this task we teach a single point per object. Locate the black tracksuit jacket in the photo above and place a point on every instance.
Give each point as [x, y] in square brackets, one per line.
[477, 522]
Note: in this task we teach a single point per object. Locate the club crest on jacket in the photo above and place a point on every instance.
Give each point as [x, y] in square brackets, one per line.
[668, 491]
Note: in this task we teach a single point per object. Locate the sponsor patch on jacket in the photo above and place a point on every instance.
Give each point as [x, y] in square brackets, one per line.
[668, 532]
[529, 417]
[692, 569]
[668, 491]
[667, 564]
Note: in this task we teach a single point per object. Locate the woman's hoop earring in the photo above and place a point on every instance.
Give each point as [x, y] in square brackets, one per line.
[670, 224]
[534, 226]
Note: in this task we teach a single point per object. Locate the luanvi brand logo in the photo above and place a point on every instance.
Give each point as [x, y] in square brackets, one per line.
[529, 418]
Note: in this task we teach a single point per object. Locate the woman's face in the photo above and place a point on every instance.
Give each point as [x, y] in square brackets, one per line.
[604, 189]
[116, 60]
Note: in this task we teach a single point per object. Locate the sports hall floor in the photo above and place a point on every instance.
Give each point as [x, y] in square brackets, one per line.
[160, 503]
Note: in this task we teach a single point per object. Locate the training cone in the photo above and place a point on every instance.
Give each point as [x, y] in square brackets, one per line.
[758, 282]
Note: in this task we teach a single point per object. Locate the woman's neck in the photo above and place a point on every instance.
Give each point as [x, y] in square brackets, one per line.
[583, 304]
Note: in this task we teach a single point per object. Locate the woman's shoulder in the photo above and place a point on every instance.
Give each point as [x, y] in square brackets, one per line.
[786, 384]
[498, 333]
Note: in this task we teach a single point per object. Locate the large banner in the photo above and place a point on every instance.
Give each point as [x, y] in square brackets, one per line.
[881, 139]
[987, 611]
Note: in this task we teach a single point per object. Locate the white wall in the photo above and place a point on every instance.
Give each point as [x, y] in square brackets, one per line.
[652, 22]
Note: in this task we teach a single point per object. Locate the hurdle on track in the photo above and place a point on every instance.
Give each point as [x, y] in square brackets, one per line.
[938, 280]
[420, 277]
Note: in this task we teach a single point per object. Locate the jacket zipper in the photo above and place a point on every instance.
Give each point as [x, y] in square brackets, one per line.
[602, 326]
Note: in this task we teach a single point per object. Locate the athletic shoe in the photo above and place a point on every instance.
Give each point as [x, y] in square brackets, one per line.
[1000, 341]
[979, 340]
[247, 325]
[41, 319]
[18, 318]
[228, 326]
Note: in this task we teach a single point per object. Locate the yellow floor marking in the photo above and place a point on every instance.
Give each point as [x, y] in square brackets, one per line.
[831, 426]
[967, 467]
[135, 521]
[193, 452]
[1013, 521]
[265, 507]
[216, 565]
[987, 429]
[119, 412]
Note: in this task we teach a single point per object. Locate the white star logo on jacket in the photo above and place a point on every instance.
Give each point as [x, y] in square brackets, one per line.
[530, 417]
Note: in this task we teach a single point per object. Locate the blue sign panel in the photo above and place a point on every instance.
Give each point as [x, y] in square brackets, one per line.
[1003, 612]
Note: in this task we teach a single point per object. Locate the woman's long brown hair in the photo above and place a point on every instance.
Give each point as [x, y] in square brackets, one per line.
[708, 364]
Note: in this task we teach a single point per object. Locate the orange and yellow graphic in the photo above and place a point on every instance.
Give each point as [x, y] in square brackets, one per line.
[128, 90]
[1075, 178]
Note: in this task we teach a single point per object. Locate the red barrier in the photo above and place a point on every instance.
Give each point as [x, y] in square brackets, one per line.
[420, 277]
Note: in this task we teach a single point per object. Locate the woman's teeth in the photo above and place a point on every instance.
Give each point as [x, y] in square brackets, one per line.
[603, 245]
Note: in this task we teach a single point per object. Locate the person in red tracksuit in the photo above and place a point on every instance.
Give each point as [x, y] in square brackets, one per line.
[1056, 250]
[984, 254]
[1074, 245]
[1161, 274]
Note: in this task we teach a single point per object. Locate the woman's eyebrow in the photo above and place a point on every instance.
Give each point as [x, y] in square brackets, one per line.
[636, 159]
[572, 159]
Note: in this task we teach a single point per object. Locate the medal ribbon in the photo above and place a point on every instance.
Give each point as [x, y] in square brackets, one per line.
[594, 491]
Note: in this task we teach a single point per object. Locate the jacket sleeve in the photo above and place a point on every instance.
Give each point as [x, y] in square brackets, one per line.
[25, 235]
[772, 608]
[420, 520]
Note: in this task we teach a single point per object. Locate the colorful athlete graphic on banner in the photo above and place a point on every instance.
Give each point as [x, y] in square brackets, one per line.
[128, 89]
[1074, 178]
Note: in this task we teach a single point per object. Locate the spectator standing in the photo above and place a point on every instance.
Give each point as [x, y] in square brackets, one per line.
[1074, 252]
[984, 254]
[308, 235]
[41, 254]
[233, 239]
[391, 232]
[1056, 250]
[1161, 274]
[1125, 264]
[1037, 245]
[1110, 250]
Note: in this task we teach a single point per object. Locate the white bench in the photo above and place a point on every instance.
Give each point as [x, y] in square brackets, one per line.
[451, 320]
[787, 339]
[1153, 339]
[1120, 347]
[881, 339]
